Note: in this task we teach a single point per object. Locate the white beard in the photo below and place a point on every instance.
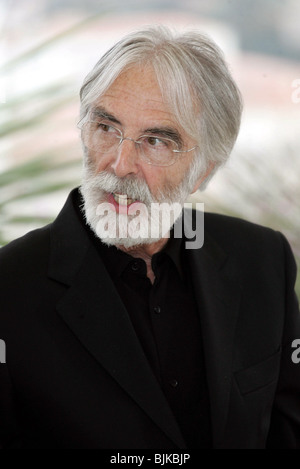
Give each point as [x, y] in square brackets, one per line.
[145, 223]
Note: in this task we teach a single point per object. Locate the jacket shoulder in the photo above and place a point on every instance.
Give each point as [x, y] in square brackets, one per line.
[230, 230]
[248, 242]
[25, 254]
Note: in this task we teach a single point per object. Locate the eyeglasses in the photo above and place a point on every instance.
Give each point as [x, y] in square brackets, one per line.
[154, 150]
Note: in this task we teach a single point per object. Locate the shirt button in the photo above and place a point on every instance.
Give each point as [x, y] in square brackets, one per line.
[173, 383]
[135, 266]
[157, 309]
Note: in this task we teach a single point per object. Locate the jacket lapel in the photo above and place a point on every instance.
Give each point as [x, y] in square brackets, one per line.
[96, 315]
[217, 290]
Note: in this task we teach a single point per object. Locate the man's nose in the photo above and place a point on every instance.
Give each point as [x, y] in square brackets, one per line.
[126, 159]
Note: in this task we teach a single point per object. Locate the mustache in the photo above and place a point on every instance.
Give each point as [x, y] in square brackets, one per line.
[108, 182]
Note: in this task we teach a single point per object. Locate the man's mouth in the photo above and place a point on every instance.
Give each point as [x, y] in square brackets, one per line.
[122, 202]
[122, 199]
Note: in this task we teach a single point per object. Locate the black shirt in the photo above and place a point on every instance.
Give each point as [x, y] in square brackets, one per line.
[166, 321]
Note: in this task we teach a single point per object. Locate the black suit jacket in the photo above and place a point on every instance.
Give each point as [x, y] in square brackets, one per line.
[76, 375]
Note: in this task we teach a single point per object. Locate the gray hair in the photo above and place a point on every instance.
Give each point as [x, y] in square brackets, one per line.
[194, 80]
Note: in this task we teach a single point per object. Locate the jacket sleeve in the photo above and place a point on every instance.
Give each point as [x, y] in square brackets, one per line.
[285, 421]
[9, 429]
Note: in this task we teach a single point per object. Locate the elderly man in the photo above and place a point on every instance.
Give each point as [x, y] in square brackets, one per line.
[118, 332]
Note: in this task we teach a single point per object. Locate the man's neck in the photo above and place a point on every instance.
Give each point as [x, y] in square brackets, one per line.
[145, 252]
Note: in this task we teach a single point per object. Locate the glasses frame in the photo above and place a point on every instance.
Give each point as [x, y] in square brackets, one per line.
[142, 154]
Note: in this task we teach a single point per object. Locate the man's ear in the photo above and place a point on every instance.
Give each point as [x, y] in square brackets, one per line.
[203, 177]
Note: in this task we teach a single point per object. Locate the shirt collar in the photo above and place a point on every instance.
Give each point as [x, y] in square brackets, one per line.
[173, 250]
[117, 260]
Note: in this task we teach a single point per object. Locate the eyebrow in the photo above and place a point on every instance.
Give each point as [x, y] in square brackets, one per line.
[167, 132]
[102, 113]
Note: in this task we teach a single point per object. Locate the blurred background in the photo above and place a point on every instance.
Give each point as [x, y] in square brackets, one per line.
[48, 46]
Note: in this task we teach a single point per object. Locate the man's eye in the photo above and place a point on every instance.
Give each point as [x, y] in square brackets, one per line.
[157, 142]
[105, 127]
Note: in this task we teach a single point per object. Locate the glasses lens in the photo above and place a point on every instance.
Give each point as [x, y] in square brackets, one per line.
[158, 151]
[100, 136]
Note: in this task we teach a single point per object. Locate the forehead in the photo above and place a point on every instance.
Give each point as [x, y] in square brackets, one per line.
[136, 94]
